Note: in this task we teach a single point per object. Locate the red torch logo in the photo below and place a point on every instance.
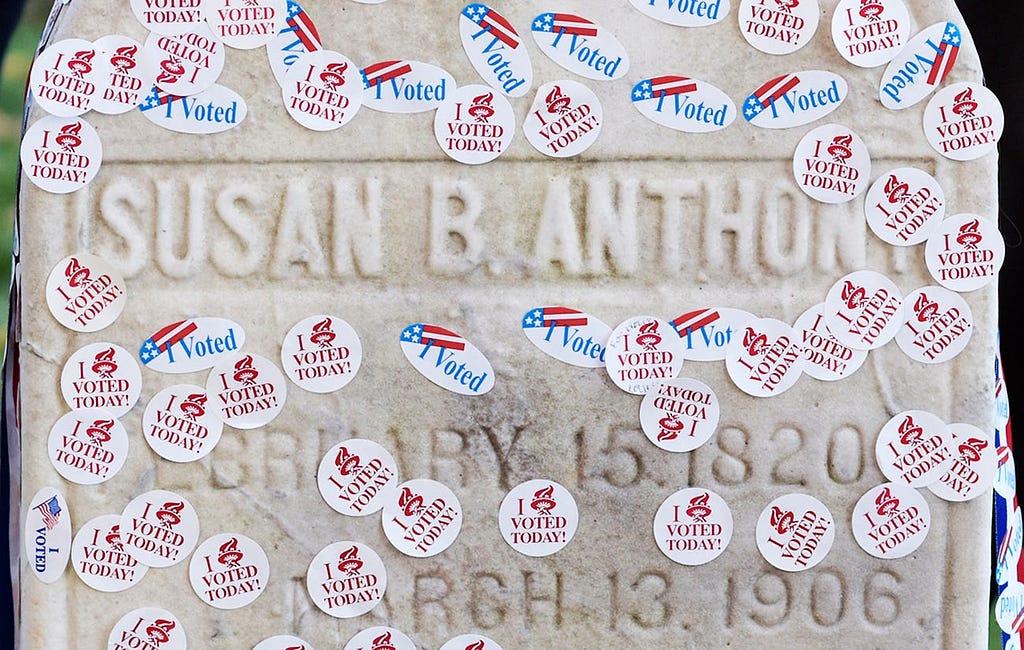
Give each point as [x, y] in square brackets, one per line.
[839, 148]
[970, 451]
[76, 274]
[910, 433]
[113, 538]
[481, 108]
[543, 500]
[557, 102]
[853, 295]
[171, 70]
[104, 365]
[886, 504]
[229, 554]
[896, 190]
[194, 406]
[969, 237]
[871, 9]
[787, 5]
[170, 514]
[479, 645]
[647, 336]
[670, 427]
[349, 562]
[755, 342]
[964, 104]
[322, 333]
[781, 520]
[410, 502]
[383, 642]
[927, 311]
[80, 63]
[123, 58]
[159, 631]
[68, 139]
[347, 462]
[698, 509]
[245, 374]
[99, 431]
[332, 75]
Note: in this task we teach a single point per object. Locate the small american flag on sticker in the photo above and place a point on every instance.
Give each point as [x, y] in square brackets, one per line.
[946, 56]
[767, 94]
[164, 338]
[50, 510]
[555, 316]
[565, 24]
[694, 320]
[302, 25]
[155, 98]
[383, 72]
[491, 20]
[432, 335]
[672, 85]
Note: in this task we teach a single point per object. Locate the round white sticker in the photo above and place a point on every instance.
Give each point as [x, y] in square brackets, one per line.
[679, 414]
[179, 425]
[643, 351]
[869, 33]
[283, 642]
[125, 75]
[357, 477]
[766, 359]
[148, 627]
[322, 90]
[905, 206]
[470, 642]
[88, 446]
[188, 62]
[422, 518]
[795, 532]
[228, 571]
[826, 358]
[938, 325]
[168, 18]
[101, 375]
[832, 164]
[100, 559]
[84, 293]
[564, 120]
[914, 448]
[693, 526]
[964, 121]
[864, 310]
[891, 521]
[47, 534]
[321, 354]
[249, 389]
[538, 517]
[159, 528]
[475, 125]
[61, 154]
[778, 26]
[380, 638]
[974, 465]
[64, 77]
[965, 253]
[346, 579]
[253, 24]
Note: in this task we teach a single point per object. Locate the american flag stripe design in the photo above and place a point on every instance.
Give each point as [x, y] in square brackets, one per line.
[442, 338]
[303, 27]
[564, 316]
[156, 97]
[500, 28]
[379, 73]
[50, 510]
[776, 88]
[693, 320]
[168, 336]
[672, 85]
[946, 57]
[572, 24]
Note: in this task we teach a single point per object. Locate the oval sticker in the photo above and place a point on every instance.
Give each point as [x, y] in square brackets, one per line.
[213, 110]
[61, 154]
[684, 13]
[405, 86]
[84, 293]
[795, 99]
[920, 67]
[299, 36]
[568, 334]
[447, 359]
[190, 345]
[706, 333]
[47, 534]
[905, 206]
[564, 120]
[124, 76]
[495, 50]
[580, 46]
[868, 33]
[778, 26]
[187, 63]
[683, 104]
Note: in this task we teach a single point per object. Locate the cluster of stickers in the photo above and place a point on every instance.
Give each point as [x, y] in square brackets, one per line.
[1009, 531]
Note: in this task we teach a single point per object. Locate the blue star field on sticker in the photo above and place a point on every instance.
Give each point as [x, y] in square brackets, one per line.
[411, 333]
[533, 318]
[543, 22]
[642, 90]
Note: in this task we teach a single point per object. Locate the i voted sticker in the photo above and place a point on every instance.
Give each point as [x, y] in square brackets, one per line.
[869, 33]
[64, 77]
[564, 120]
[938, 325]
[580, 45]
[693, 526]
[684, 13]
[159, 528]
[346, 579]
[447, 359]
[475, 125]
[422, 518]
[767, 359]
[795, 99]
[169, 18]
[405, 86]
[180, 424]
[1008, 553]
[248, 390]
[357, 477]
[706, 333]
[538, 518]
[891, 521]
[832, 164]
[283, 642]
[679, 414]
[905, 206]
[321, 353]
[100, 559]
[213, 110]
[47, 534]
[1009, 609]
[683, 104]
[643, 351]
[228, 571]
[188, 62]
[495, 49]
[965, 253]
[88, 446]
[380, 638]
[826, 357]
[298, 36]
[101, 375]
[61, 154]
[795, 532]
[568, 334]
[1006, 473]
[778, 26]
[148, 627]
[921, 66]
[322, 90]
[974, 465]
[85, 293]
[252, 24]
[864, 310]
[964, 121]
[191, 344]
[124, 74]
[913, 448]
[471, 642]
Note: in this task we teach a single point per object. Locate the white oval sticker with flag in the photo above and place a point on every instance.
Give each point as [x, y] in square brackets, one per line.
[706, 333]
[795, 99]
[920, 67]
[48, 534]
[298, 37]
[567, 334]
[405, 86]
[580, 46]
[190, 345]
[495, 50]
[683, 104]
[447, 359]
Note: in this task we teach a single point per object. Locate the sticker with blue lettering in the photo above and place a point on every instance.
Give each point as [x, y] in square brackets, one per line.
[964, 121]
[447, 359]
[1008, 553]
[568, 334]
[213, 110]
[580, 46]
[253, 24]
[683, 104]
[869, 33]
[684, 13]
[1010, 608]
[706, 333]
[190, 345]
[565, 119]
[921, 66]
[47, 534]
[495, 49]
[299, 36]
[124, 74]
[778, 26]
[405, 86]
[795, 99]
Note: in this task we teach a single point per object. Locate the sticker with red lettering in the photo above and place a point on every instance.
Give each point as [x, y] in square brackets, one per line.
[322, 90]
[213, 110]
[795, 99]
[795, 532]
[101, 375]
[684, 13]
[346, 579]
[169, 18]
[683, 104]
[179, 424]
[283, 642]
[679, 414]
[357, 477]
[447, 359]
[64, 78]
[827, 359]
[228, 571]
[405, 86]
[778, 26]
[298, 37]
[914, 448]
[159, 528]
[891, 521]
[938, 325]
[766, 359]
[564, 120]
[832, 164]
[148, 627]
[470, 642]
[187, 63]
[869, 33]
[568, 334]
[693, 526]
[643, 351]
[538, 517]
[905, 206]
[965, 253]
[85, 293]
[706, 333]
[475, 126]
[920, 67]
[974, 464]
[252, 24]
[864, 310]
[580, 45]
[124, 74]
[248, 390]
[964, 121]
[422, 517]
[321, 354]
[495, 49]
[100, 559]
[379, 638]
[1009, 610]
[47, 534]
[88, 446]
[61, 154]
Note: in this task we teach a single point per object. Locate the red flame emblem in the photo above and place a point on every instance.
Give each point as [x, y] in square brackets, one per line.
[839, 148]
[754, 342]
[104, 365]
[871, 9]
[322, 334]
[853, 295]
[159, 631]
[557, 102]
[787, 5]
[479, 645]
[229, 554]
[244, 372]
[347, 463]
[896, 190]
[68, 139]
[698, 509]
[964, 104]
[886, 504]
[332, 75]
[782, 520]
[99, 432]
[194, 406]
[543, 501]
[481, 108]
[970, 451]
[910, 432]
[123, 58]
[349, 562]
[383, 642]
[170, 514]
[80, 63]
[969, 237]
[171, 70]
[927, 310]
[670, 427]
[113, 538]
[648, 336]
[410, 502]
[76, 274]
